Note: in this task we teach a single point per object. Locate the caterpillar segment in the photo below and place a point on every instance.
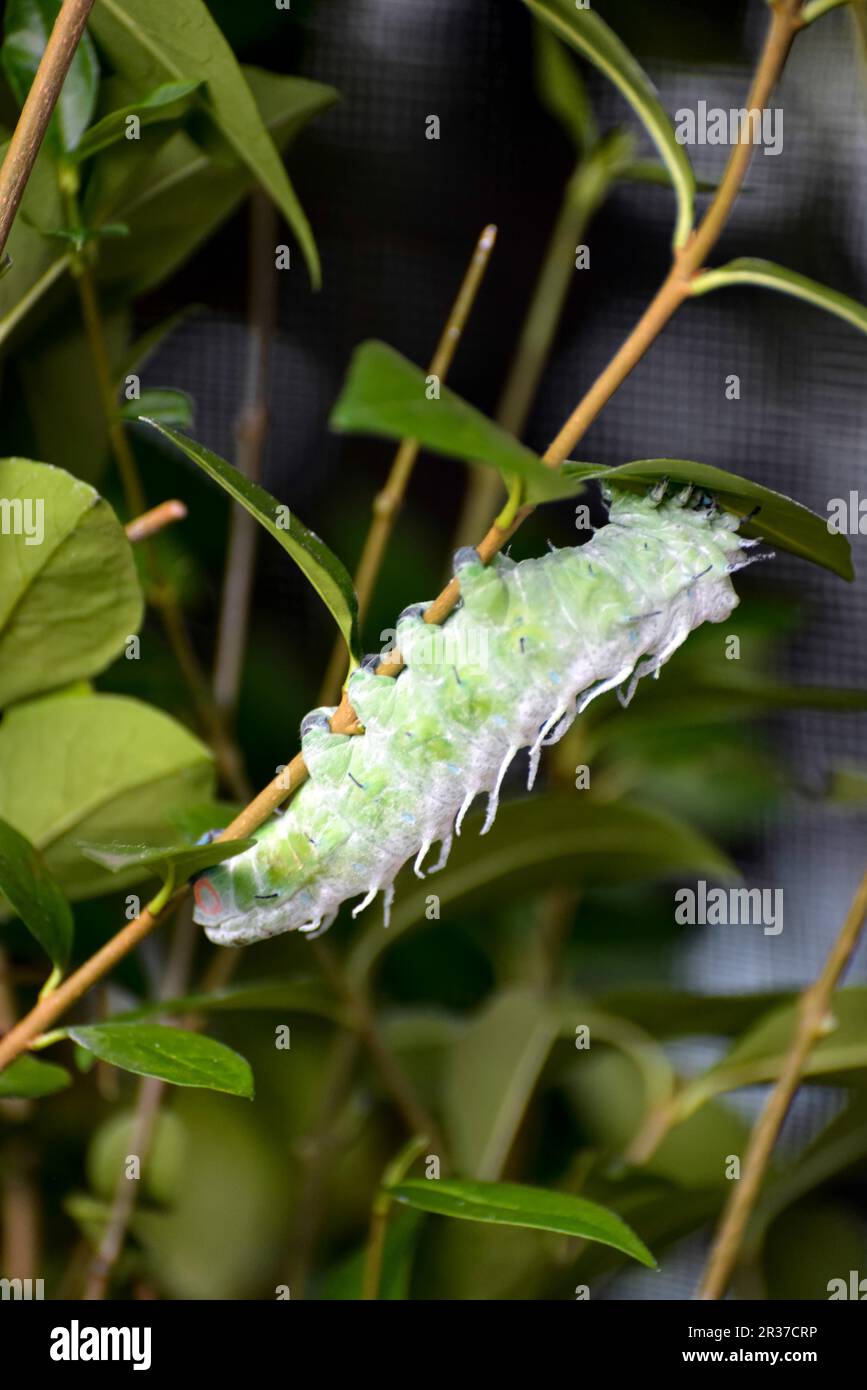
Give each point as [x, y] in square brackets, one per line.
[526, 650]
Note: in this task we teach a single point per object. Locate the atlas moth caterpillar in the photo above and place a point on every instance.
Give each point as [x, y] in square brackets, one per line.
[526, 650]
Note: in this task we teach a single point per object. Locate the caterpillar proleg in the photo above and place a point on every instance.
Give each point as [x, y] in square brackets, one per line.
[527, 649]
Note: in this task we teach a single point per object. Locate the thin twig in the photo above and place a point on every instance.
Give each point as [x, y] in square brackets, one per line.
[586, 189]
[785, 22]
[147, 1108]
[315, 1152]
[415, 1115]
[150, 523]
[231, 642]
[36, 112]
[19, 1212]
[103, 1259]
[371, 1277]
[815, 1021]
[160, 594]
[389, 501]
[250, 433]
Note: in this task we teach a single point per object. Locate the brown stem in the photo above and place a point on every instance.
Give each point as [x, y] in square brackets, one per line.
[104, 1258]
[250, 434]
[19, 1210]
[160, 594]
[814, 1022]
[584, 192]
[676, 287]
[389, 501]
[317, 1151]
[48, 1009]
[36, 111]
[415, 1115]
[147, 1108]
[150, 523]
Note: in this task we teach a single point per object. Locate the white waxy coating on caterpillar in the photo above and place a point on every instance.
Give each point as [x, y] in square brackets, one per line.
[526, 650]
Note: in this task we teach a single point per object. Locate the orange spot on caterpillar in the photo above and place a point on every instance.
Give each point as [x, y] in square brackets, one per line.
[207, 898]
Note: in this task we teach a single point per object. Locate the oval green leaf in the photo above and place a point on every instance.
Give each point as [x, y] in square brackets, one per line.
[152, 183]
[128, 770]
[561, 90]
[34, 895]
[384, 393]
[163, 405]
[69, 592]
[321, 566]
[170, 1054]
[157, 41]
[27, 29]
[513, 1204]
[590, 36]
[168, 102]
[760, 1055]
[185, 860]
[303, 995]
[29, 1079]
[491, 1072]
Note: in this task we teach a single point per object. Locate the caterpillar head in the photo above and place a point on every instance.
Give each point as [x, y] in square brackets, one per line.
[259, 893]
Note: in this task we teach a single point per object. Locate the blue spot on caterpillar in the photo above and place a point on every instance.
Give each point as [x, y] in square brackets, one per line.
[530, 644]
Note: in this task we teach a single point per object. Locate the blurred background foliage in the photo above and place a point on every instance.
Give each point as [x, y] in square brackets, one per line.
[563, 915]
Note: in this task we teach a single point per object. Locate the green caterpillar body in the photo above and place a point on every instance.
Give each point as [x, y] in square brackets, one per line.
[528, 647]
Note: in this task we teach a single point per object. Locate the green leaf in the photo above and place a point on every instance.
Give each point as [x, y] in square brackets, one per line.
[158, 41]
[37, 264]
[162, 405]
[513, 1204]
[144, 347]
[27, 29]
[841, 1145]
[847, 786]
[650, 171]
[171, 1054]
[671, 1013]
[492, 1071]
[56, 363]
[29, 1079]
[343, 1282]
[561, 90]
[544, 841]
[165, 103]
[591, 37]
[385, 394]
[69, 593]
[321, 566]
[153, 183]
[761, 1053]
[127, 771]
[814, 9]
[185, 860]
[306, 995]
[31, 891]
[781, 521]
[750, 271]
